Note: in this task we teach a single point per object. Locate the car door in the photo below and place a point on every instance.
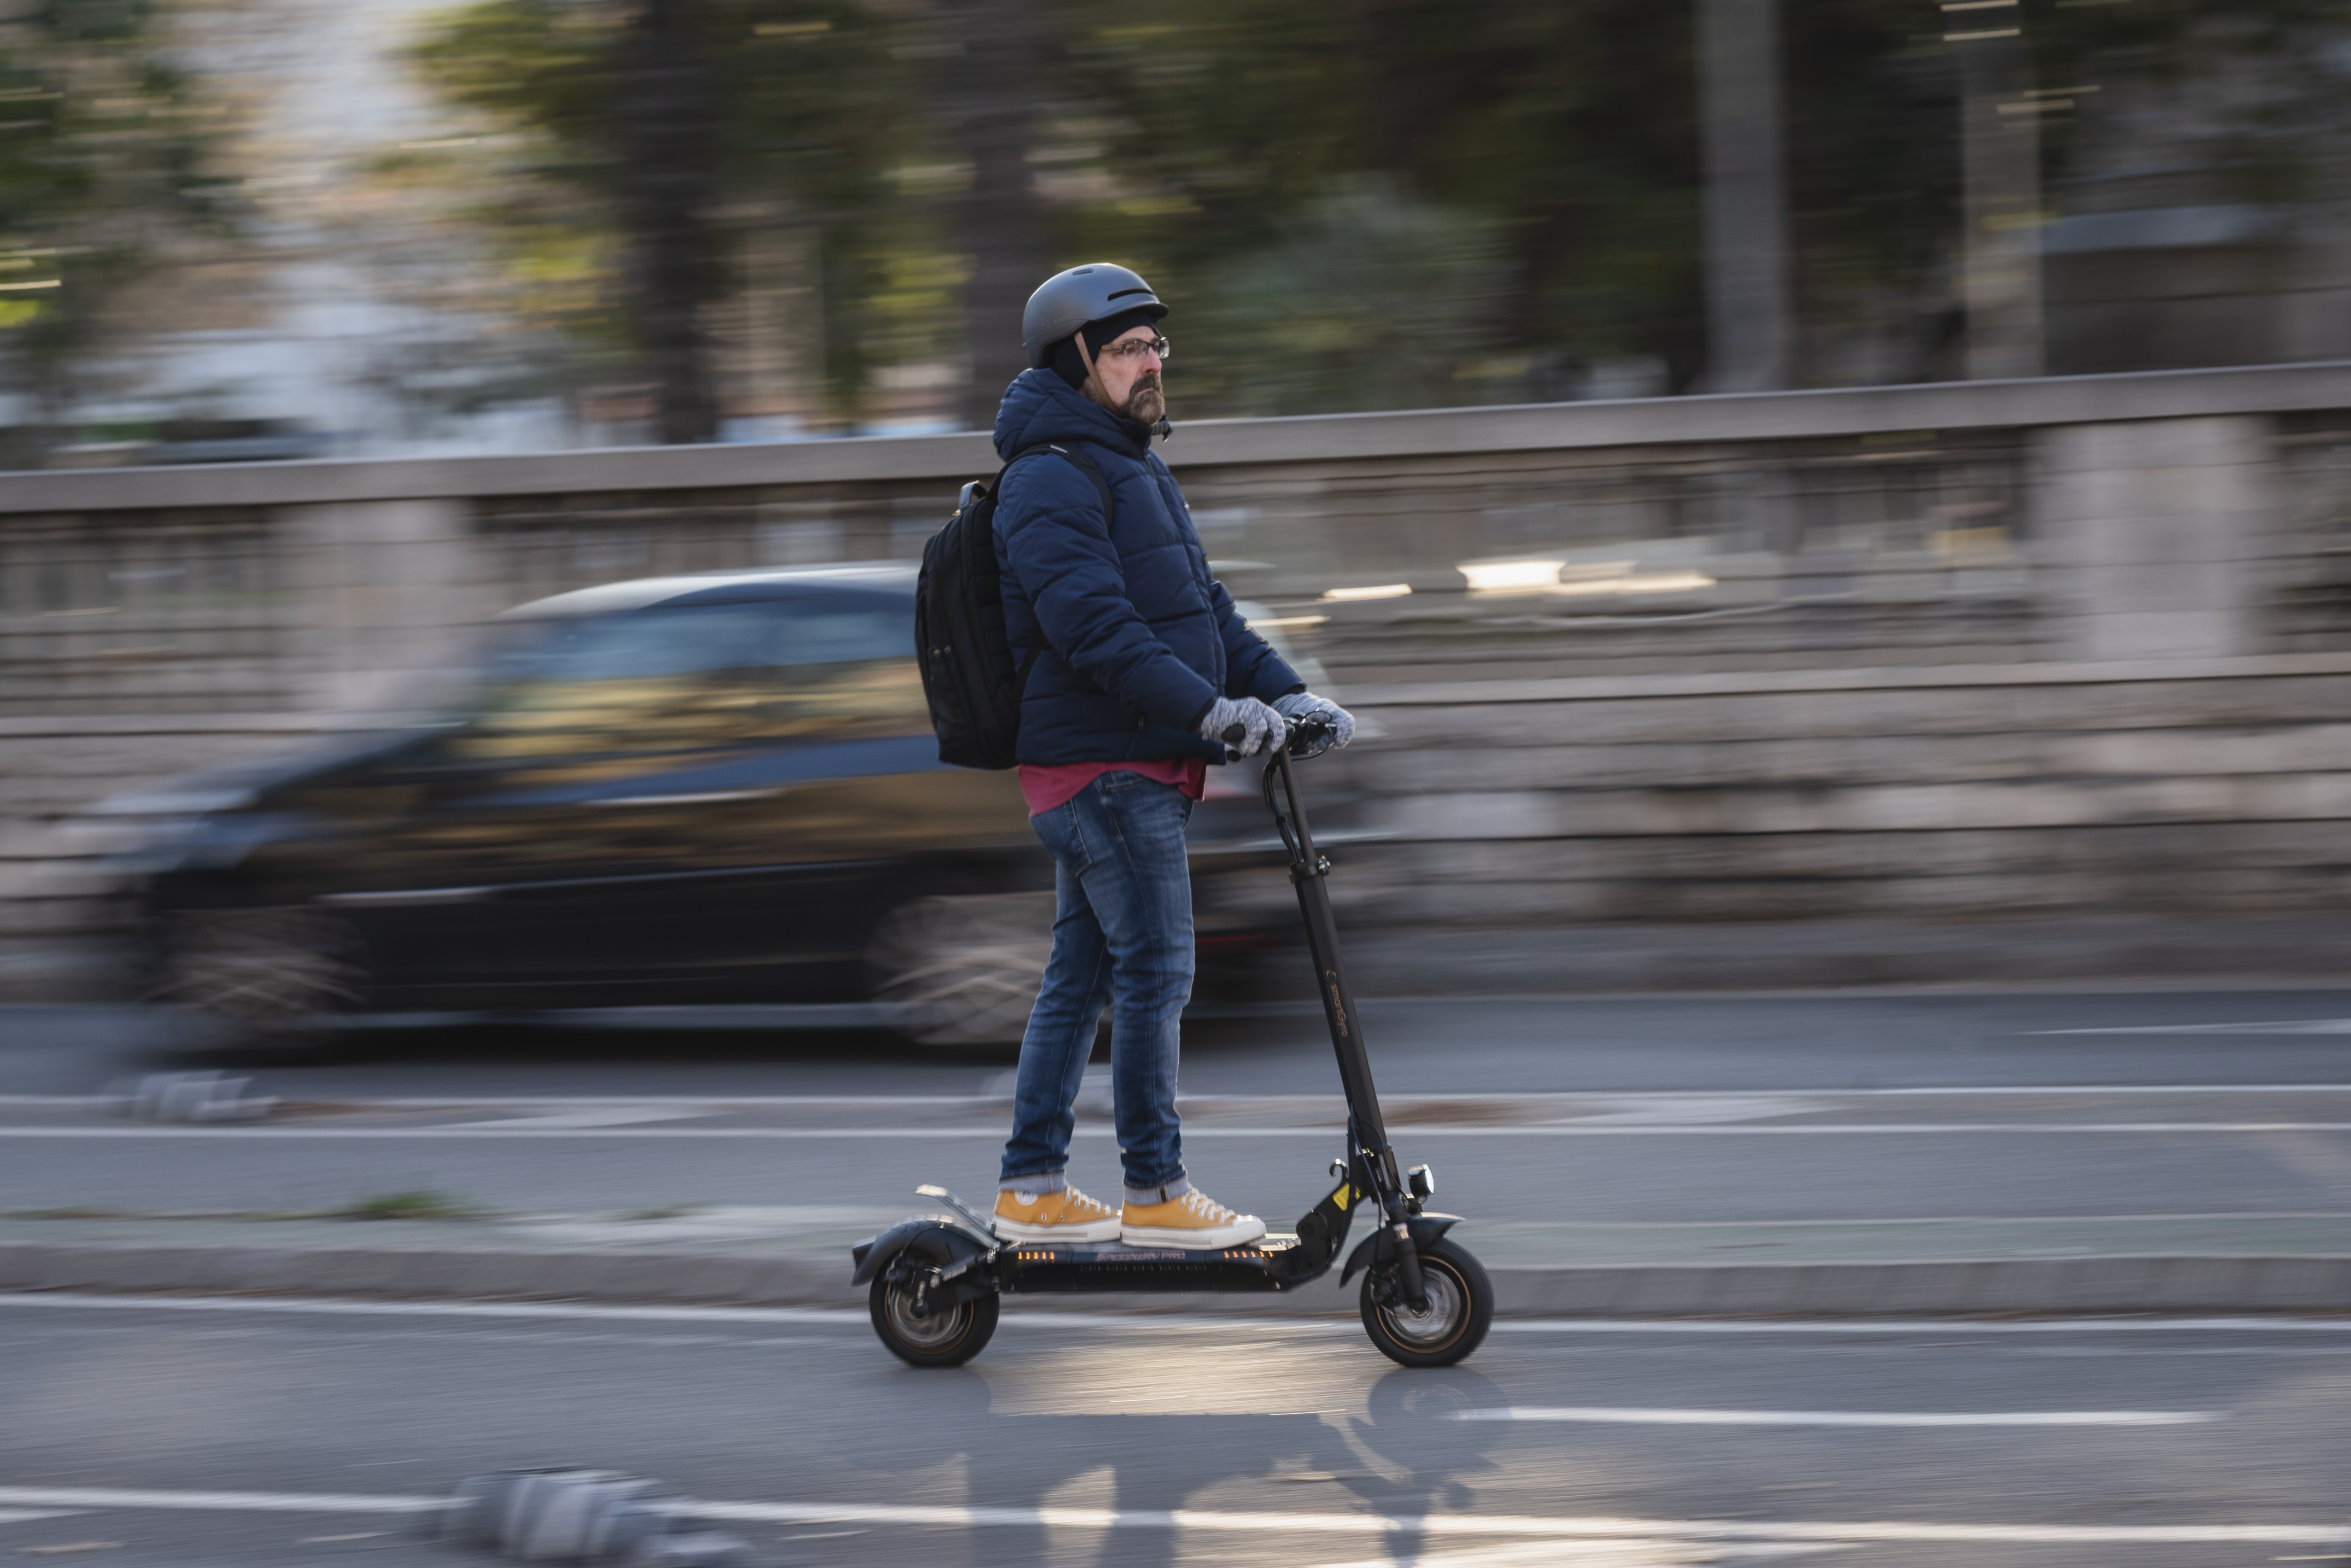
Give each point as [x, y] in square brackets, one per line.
[701, 800]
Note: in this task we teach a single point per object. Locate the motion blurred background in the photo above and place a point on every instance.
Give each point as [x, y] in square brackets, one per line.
[388, 227]
[1869, 461]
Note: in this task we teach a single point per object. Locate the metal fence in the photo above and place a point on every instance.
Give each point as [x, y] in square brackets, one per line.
[180, 611]
[1750, 641]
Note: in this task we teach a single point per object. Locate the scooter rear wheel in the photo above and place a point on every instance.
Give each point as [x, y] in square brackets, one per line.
[1460, 1309]
[948, 1337]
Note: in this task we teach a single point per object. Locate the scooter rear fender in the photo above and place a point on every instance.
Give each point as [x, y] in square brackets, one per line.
[1380, 1246]
[932, 1239]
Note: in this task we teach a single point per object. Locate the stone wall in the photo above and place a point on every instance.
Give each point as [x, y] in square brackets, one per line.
[2173, 787]
[1952, 651]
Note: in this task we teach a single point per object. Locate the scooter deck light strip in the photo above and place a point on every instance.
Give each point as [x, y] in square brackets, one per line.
[1273, 1262]
[1120, 1252]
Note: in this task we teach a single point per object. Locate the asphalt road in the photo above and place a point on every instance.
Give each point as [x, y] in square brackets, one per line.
[191, 1433]
[1864, 1106]
[1624, 1446]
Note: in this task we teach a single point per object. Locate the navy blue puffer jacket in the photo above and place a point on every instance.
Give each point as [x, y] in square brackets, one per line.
[1134, 639]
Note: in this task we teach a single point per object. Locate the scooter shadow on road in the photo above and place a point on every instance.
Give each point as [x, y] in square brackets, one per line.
[1406, 1454]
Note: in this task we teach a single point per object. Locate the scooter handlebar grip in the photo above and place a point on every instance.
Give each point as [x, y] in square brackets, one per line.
[1305, 729]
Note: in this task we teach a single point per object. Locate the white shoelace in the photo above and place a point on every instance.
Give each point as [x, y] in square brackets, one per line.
[1207, 1207]
[1081, 1204]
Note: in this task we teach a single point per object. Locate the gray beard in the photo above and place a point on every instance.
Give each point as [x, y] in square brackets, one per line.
[1146, 404]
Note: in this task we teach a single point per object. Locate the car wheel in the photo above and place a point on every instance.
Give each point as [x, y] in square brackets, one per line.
[962, 971]
[267, 975]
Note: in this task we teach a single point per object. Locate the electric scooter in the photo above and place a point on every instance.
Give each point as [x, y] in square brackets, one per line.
[938, 1278]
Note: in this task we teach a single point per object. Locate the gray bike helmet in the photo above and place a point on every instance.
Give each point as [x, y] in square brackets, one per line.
[1068, 300]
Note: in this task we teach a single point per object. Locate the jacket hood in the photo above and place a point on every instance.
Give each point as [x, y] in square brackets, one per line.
[1040, 406]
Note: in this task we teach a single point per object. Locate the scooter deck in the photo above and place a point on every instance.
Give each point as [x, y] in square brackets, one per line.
[1054, 1268]
[1278, 1261]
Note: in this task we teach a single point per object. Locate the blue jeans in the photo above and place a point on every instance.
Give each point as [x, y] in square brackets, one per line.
[1122, 938]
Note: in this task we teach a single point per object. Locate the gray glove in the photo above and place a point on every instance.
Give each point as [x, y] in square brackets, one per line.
[1299, 705]
[1257, 722]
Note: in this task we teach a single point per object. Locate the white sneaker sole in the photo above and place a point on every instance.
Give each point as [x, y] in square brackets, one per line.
[1205, 1239]
[1095, 1230]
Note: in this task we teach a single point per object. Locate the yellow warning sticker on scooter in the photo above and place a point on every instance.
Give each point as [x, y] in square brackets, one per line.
[1344, 1198]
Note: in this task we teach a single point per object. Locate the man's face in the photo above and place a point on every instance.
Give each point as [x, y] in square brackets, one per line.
[1128, 383]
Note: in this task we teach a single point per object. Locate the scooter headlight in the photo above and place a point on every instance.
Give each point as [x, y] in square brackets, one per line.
[1421, 1180]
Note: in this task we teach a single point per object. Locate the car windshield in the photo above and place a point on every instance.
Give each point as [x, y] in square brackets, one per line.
[675, 677]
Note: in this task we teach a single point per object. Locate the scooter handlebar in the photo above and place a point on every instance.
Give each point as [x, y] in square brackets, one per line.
[1303, 732]
[1298, 738]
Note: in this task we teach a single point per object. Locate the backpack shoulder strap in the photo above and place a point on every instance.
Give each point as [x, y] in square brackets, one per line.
[1076, 453]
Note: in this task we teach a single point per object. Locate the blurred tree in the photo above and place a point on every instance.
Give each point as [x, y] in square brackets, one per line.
[986, 87]
[1562, 141]
[1352, 204]
[645, 144]
[1370, 298]
[1525, 173]
[667, 117]
[102, 167]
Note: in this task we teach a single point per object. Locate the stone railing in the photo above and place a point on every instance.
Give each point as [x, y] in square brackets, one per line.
[1950, 650]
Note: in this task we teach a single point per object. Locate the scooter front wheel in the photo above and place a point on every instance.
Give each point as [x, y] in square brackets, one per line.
[946, 1336]
[1460, 1309]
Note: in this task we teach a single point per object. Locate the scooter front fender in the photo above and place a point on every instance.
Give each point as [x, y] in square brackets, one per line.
[1380, 1246]
[934, 1241]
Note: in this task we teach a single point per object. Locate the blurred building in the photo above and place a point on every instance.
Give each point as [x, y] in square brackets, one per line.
[2206, 222]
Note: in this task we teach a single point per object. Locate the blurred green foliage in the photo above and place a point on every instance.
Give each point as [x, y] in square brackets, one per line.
[102, 145]
[1381, 205]
[1350, 203]
[806, 116]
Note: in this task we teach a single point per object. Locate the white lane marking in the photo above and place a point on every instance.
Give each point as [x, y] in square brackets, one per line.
[332, 1307]
[2280, 1026]
[529, 1130]
[1591, 1528]
[1601, 1554]
[1918, 1325]
[462, 1102]
[2201, 1214]
[26, 1515]
[1021, 1316]
[220, 1502]
[582, 1120]
[1643, 1417]
[581, 1312]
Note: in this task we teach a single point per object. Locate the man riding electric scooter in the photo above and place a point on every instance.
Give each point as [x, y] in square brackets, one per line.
[1140, 674]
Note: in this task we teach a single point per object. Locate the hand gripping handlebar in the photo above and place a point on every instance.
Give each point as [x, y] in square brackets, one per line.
[1302, 731]
[1306, 727]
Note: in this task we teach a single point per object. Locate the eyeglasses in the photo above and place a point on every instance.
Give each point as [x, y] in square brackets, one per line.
[1132, 349]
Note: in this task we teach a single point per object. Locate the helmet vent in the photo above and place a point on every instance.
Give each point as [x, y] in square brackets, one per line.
[1122, 292]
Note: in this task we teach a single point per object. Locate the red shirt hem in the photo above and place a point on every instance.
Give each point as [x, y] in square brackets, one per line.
[1045, 788]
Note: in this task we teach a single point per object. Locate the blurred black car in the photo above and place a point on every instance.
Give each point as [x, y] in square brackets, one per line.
[709, 789]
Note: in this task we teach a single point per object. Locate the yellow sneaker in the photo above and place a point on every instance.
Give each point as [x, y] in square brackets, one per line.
[1067, 1215]
[1194, 1220]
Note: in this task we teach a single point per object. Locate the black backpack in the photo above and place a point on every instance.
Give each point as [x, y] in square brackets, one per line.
[970, 678]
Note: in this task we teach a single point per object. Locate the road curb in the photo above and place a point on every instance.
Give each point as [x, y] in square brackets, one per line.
[2099, 1284]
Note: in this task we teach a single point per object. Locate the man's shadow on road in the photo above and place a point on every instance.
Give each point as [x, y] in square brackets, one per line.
[1406, 1456]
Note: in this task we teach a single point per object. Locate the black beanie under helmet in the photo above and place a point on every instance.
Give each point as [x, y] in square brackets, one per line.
[1072, 367]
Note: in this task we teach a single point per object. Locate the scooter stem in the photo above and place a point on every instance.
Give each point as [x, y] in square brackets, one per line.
[1308, 872]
